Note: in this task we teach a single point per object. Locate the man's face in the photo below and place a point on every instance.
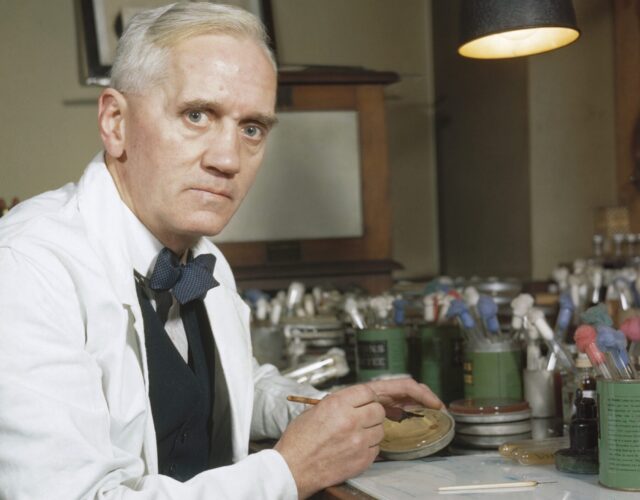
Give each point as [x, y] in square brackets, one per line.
[194, 143]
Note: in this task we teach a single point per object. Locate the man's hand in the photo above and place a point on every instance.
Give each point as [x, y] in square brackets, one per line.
[404, 392]
[339, 437]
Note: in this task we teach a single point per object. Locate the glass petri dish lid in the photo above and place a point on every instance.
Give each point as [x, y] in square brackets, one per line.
[417, 437]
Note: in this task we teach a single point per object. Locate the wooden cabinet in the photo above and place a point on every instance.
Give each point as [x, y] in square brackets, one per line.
[365, 260]
[627, 81]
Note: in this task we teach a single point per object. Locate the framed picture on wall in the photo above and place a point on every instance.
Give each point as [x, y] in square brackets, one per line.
[101, 22]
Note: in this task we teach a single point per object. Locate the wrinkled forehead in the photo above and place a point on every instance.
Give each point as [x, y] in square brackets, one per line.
[222, 64]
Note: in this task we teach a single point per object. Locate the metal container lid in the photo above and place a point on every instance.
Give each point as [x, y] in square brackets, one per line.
[509, 345]
[319, 331]
[314, 323]
[499, 429]
[417, 437]
[489, 410]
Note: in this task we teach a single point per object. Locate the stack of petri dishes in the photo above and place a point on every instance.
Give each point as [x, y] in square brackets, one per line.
[487, 423]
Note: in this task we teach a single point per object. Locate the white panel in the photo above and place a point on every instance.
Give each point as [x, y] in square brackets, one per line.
[309, 184]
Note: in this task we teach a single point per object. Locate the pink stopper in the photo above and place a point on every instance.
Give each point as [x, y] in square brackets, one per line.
[585, 338]
[631, 328]
[585, 335]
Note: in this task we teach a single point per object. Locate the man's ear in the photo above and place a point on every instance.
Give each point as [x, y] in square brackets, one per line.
[112, 108]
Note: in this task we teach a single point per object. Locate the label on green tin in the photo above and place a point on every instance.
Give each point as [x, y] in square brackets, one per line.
[372, 355]
[622, 432]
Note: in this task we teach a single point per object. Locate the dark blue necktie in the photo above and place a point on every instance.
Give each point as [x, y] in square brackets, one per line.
[187, 282]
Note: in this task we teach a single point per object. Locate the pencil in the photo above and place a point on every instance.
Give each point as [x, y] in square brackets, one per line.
[304, 400]
[393, 413]
[493, 486]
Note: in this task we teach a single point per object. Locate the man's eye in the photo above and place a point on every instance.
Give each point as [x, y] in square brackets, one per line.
[195, 116]
[253, 132]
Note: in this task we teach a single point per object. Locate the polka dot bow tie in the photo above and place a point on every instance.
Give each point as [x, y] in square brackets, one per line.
[187, 282]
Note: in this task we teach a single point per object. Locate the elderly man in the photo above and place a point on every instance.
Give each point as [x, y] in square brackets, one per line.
[125, 360]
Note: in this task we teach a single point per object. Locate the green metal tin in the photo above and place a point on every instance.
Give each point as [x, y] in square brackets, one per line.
[493, 370]
[441, 358]
[619, 433]
[380, 351]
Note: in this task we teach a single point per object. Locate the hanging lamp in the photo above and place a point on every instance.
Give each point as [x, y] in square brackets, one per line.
[497, 29]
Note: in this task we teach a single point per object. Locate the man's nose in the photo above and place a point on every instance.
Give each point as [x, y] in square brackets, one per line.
[223, 150]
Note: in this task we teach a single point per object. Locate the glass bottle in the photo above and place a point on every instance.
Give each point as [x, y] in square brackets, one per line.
[584, 379]
[585, 376]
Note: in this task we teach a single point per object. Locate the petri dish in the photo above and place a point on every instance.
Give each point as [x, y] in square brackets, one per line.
[489, 410]
[417, 437]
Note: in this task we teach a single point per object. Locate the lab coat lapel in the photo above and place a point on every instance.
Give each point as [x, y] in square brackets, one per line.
[101, 209]
[228, 317]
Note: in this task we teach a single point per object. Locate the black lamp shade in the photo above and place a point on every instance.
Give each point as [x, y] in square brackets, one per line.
[494, 29]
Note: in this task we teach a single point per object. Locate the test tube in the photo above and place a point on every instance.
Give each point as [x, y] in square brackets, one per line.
[624, 293]
[561, 276]
[536, 316]
[631, 328]
[585, 338]
[399, 308]
[621, 339]
[488, 311]
[444, 307]
[458, 309]
[565, 313]
[609, 342]
[430, 307]
[511, 449]
[351, 308]
[534, 356]
[540, 452]
[294, 296]
[471, 297]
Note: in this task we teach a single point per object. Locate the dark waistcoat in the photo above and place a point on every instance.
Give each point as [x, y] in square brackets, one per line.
[181, 394]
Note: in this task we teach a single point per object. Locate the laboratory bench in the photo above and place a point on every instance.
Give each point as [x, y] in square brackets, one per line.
[415, 479]
[421, 478]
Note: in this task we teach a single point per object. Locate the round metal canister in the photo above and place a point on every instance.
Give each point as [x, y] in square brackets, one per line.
[380, 351]
[619, 433]
[441, 359]
[493, 370]
[309, 337]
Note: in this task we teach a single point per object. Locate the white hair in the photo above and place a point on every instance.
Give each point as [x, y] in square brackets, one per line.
[142, 53]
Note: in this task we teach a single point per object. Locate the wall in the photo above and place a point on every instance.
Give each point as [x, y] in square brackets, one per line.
[391, 36]
[483, 164]
[526, 150]
[572, 142]
[48, 130]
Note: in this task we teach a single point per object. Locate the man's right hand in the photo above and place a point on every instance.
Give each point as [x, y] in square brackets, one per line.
[334, 440]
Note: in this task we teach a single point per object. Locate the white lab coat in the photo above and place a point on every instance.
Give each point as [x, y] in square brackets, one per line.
[75, 418]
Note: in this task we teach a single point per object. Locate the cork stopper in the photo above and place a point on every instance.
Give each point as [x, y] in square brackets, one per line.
[582, 361]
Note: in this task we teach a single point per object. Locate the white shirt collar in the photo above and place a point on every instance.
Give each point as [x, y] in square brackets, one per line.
[142, 246]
